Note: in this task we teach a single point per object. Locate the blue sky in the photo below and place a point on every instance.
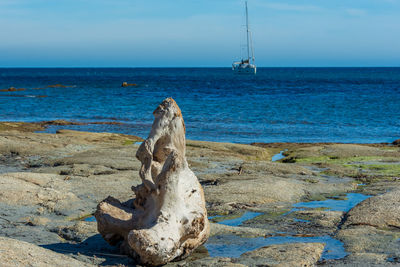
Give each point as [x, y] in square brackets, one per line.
[139, 33]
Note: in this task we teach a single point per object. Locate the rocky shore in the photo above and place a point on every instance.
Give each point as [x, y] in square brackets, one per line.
[347, 195]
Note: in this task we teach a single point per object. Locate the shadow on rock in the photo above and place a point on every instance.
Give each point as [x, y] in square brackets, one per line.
[93, 250]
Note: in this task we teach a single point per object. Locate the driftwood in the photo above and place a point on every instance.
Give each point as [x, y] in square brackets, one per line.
[167, 220]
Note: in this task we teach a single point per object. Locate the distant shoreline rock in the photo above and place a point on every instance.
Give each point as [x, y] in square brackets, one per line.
[125, 84]
[396, 142]
[12, 89]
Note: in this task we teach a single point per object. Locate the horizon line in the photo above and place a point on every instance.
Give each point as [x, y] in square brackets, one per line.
[188, 67]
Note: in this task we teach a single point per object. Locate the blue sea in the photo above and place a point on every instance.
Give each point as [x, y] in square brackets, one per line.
[352, 105]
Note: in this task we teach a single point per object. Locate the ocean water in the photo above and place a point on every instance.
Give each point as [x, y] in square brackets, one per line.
[355, 105]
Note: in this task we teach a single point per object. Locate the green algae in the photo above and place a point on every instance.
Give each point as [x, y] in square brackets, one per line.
[311, 181]
[383, 169]
[128, 142]
[269, 216]
[341, 160]
[366, 169]
[220, 218]
[81, 217]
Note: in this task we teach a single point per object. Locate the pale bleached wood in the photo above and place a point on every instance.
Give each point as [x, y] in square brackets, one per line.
[167, 220]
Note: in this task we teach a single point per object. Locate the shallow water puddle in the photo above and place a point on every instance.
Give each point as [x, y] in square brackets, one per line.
[90, 219]
[233, 246]
[352, 199]
[278, 156]
[248, 215]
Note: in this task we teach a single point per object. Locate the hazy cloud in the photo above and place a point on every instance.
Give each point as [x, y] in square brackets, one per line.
[356, 12]
[288, 7]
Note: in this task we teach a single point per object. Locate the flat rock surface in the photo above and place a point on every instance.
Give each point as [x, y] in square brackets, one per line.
[284, 255]
[18, 253]
[51, 183]
[371, 231]
[296, 254]
[381, 211]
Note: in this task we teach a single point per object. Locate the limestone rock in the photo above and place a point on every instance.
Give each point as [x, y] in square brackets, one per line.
[167, 220]
[381, 211]
[213, 262]
[18, 253]
[290, 255]
[47, 190]
[221, 229]
[368, 239]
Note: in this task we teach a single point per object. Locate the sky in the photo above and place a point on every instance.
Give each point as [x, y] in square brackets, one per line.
[198, 33]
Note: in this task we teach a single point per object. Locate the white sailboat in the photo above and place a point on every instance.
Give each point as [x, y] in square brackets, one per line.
[246, 65]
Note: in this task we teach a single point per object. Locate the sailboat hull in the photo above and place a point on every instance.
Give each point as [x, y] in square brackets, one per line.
[244, 68]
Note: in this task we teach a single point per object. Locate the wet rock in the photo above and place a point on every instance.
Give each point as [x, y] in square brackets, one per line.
[168, 219]
[294, 254]
[66, 123]
[58, 86]
[18, 253]
[396, 142]
[125, 84]
[220, 229]
[12, 89]
[20, 126]
[321, 218]
[60, 123]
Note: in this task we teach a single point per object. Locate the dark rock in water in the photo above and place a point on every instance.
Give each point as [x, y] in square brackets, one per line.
[65, 123]
[46, 124]
[20, 126]
[29, 96]
[60, 123]
[12, 89]
[396, 142]
[125, 84]
[57, 86]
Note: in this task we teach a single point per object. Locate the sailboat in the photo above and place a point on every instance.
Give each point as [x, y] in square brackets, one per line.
[246, 65]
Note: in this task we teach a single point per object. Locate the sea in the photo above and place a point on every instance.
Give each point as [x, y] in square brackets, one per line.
[348, 105]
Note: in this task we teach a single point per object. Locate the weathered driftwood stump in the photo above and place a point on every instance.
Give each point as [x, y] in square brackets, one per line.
[167, 220]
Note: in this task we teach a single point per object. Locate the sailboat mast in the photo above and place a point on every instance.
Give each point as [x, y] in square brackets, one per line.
[247, 28]
[252, 48]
